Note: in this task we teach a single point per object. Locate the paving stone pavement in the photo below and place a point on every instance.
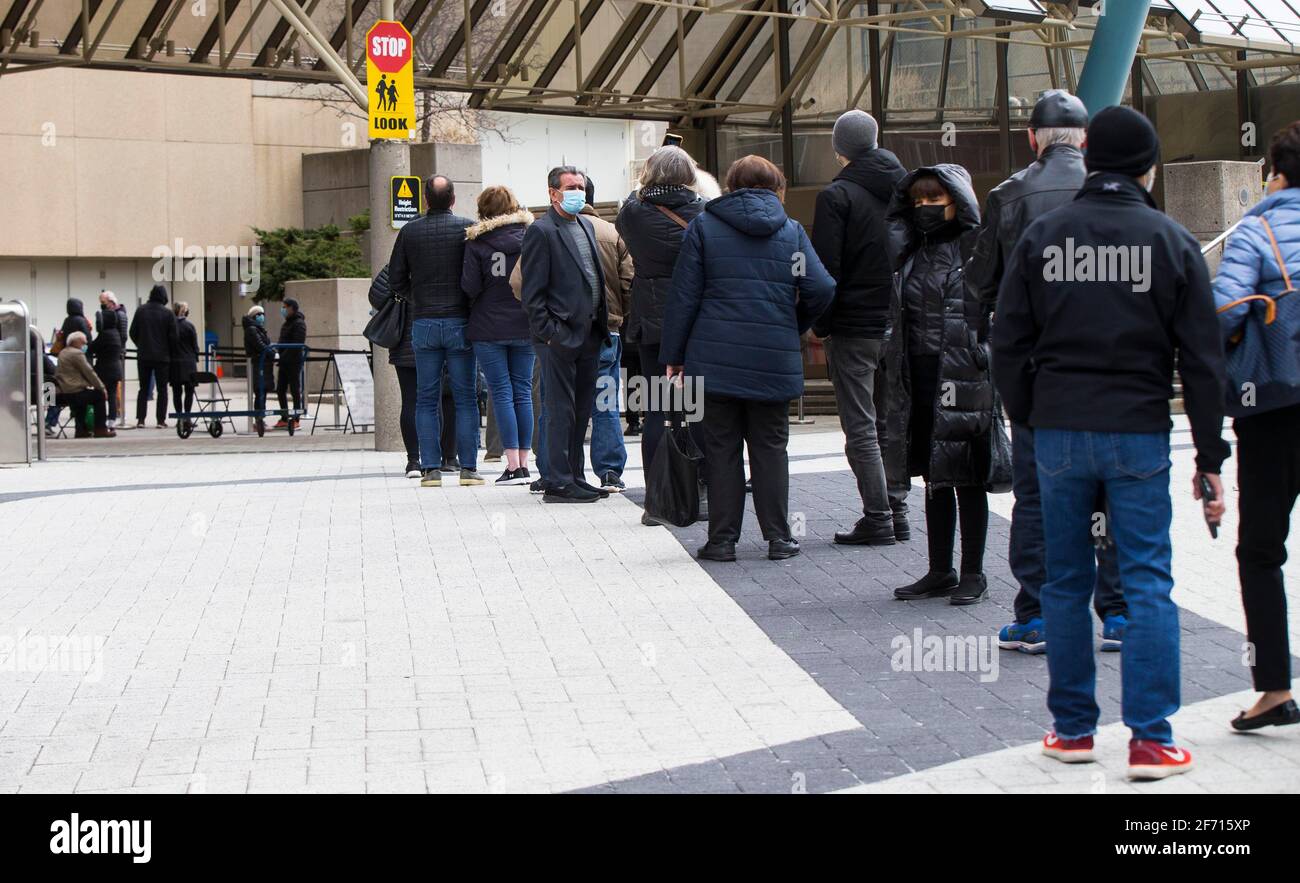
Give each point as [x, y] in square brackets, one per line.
[312, 621]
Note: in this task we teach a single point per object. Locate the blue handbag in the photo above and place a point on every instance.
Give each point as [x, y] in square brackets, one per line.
[1263, 360]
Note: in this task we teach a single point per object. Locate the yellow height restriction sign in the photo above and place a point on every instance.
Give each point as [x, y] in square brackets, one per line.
[390, 80]
[404, 204]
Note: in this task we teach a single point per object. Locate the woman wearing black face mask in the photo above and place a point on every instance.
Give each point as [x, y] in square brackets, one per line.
[940, 395]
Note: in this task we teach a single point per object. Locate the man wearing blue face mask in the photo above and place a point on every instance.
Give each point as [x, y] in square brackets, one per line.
[563, 293]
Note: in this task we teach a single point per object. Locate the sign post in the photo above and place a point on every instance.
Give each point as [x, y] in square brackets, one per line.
[390, 81]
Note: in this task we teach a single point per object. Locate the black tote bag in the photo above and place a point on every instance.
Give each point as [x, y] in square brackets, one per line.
[672, 492]
[387, 325]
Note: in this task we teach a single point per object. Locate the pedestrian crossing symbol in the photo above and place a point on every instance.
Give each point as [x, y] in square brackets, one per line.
[390, 81]
[404, 204]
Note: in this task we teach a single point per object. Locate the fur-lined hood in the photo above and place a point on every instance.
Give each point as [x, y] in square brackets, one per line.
[523, 216]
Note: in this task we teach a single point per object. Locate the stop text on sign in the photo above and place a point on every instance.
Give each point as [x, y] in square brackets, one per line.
[389, 47]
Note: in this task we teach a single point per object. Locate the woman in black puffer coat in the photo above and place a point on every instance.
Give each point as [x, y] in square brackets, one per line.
[940, 394]
[402, 358]
[110, 343]
[651, 222]
[256, 341]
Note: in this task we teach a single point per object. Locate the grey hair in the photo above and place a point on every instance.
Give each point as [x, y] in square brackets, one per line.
[255, 310]
[668, 166]
[181, 308]
[1049, 135]
[553, 176]
[76, 339]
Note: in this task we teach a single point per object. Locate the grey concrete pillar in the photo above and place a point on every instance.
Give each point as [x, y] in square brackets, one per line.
[387, 158]
[1209, 197]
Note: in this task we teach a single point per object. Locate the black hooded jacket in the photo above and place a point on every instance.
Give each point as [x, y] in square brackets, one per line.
[75, 321]
[294, 330]
[851, 237]
[934, 315]
[153, 329]
[654, 241]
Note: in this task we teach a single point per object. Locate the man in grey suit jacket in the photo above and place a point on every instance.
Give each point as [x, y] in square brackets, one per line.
[564, 297]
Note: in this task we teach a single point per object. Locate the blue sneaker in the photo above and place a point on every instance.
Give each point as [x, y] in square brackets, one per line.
[1112, 633]
[1027, 638]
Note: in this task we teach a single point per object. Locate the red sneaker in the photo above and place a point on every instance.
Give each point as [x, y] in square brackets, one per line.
[1068, 750]
[1148, 759]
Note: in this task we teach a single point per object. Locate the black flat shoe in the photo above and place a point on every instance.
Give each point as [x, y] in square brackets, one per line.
[778, 550]
[569, 493]
[902, 530]
[865, 534]
[971, 589]
[591, 488]
[935, 584]
[717, 552]
[1278, 716]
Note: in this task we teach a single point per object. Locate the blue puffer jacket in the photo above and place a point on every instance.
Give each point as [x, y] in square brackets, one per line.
[1249, 265]
[747, 284]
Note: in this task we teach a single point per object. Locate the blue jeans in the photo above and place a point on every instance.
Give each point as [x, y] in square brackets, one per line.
[437, 342]
[1025, 552]
[508, 369]
[1133, 470]
[608, 453]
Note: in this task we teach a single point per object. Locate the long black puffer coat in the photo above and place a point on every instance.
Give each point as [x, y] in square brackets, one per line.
[654, 241]
[110, 341]
[256, 340]
[929, 273]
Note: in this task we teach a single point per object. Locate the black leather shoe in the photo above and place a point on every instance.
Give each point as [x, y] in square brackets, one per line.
[602, 494]
[570, 493]
[971, 589]
[720, 551]
[935, 584]
[778, 550]
[902, 530]
[866, 534]
[1278, 716]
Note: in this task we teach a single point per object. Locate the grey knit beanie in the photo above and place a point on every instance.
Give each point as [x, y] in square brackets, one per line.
[854, 134]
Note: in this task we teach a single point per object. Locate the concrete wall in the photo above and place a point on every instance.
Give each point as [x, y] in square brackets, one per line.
[337, 311]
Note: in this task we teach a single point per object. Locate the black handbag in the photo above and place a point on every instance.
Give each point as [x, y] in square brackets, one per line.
[672, 492]
[388, 324]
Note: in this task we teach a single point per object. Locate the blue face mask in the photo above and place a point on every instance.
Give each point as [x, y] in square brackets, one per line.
[260, 319]
[284, 313]
[572, 201]
[85, 349]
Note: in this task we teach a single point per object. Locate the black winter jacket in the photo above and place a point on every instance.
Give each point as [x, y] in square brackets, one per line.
[256, 340]
[402, 355]
[654, 241]
[294, 330]
[153, 329]
[75, 321]
[426, 264]
[930, 274]
[1086, 339]
[1048, 183]
[110, 341]
[185, 359]
[491, 252]
[852, 239]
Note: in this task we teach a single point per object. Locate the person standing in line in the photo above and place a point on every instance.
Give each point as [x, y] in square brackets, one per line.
[293, 330]
[1089, 365]
[1263, 257]
[652, 222]
[498, 325]
[257, 344]
[940, 393]
[1057, 133]
[185, 360]
[851, 237]
[747, 285]
[425, 269]
[608, 452]
[108, 348]
[153, 331]
[402, 358]
[563, 293]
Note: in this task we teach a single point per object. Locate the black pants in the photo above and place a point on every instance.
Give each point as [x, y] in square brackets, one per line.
[943, 505]
[632, 365]
[290, 381]
[78, 402]
[729, 426]
[410, 440]
[111, 386]
[156, 372]
[182, 391]
[1268, 475]
[569, 390]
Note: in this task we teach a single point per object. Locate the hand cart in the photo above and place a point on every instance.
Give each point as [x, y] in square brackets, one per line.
[187, 420]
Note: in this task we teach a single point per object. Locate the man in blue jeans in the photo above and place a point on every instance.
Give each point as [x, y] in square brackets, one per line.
[1098, 298]
[425, 270]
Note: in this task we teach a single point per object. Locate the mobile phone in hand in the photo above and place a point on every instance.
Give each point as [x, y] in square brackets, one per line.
[1207, 497]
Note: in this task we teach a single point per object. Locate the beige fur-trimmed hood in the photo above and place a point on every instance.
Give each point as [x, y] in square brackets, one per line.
[522, 216]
